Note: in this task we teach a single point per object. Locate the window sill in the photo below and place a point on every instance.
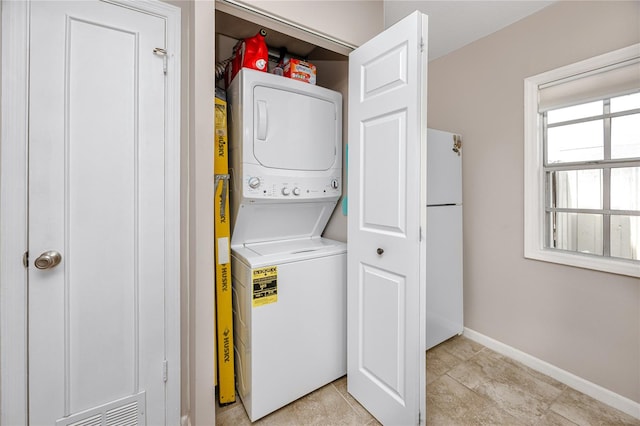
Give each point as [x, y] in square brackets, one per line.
[602, 264]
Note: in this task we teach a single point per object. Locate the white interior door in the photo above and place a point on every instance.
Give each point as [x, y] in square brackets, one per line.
[387, 199]
[96, 197]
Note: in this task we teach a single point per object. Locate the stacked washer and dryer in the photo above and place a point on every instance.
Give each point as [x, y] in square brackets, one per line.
[289, 283]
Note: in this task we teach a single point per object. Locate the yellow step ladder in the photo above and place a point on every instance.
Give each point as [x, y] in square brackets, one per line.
[224, 313]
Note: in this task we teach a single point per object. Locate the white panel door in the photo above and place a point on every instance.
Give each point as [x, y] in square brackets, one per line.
[96, 178]
[387, 202]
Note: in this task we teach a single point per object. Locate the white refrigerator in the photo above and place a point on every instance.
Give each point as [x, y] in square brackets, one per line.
[444, 237]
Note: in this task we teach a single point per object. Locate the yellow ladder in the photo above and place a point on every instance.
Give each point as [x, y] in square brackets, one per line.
[224, 313]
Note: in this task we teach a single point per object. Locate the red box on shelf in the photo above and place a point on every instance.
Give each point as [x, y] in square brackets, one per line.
[300, 70]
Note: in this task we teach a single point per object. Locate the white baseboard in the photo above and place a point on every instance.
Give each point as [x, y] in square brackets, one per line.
[595, 391]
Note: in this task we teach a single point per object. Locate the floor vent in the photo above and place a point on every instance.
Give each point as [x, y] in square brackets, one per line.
[129, 411]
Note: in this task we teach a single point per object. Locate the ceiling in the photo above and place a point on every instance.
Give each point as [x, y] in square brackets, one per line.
[454, 24]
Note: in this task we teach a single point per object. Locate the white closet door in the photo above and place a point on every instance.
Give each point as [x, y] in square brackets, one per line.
[96, 197]
[387, 199]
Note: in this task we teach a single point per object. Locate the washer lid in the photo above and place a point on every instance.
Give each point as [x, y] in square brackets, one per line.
[292, 247]
[282, 252]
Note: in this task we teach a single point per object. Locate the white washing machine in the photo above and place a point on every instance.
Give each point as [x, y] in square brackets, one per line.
[289, 320]
[289, 284]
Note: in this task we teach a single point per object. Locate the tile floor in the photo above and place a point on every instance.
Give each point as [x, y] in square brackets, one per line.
[467, 384]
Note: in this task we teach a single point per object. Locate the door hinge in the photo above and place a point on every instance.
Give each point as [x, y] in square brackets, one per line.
[165, 370]
[421, 45]
[25, 259]
[419, 417]
[158, 51]
[420, 236]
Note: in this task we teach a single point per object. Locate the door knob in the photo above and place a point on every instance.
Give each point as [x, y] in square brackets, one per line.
[48, 259]
[379, 251]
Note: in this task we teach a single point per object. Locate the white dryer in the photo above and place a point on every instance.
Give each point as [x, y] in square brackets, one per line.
[289, 283]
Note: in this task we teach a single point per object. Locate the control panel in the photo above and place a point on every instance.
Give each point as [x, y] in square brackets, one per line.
[291, 188]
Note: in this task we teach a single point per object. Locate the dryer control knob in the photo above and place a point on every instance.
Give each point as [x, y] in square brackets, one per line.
[286, 191]
[254, 182]
[296, 191]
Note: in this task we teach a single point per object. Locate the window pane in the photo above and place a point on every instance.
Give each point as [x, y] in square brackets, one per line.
[625, 136]
[625, 237]
[577, 189]
[575, 142]
[574, 112]
[625, 188]
[625, 103]
[579, 232]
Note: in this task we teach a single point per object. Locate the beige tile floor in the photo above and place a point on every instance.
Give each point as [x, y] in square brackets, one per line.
[467, 384]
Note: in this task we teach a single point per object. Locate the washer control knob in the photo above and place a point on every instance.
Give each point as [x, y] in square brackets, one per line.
[296, 191]
[254, 182]
[286, 191]
[334, 183]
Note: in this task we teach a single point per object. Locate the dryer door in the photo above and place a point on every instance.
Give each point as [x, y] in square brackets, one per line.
[295, 131]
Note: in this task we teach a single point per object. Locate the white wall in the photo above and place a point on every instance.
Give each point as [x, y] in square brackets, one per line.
[201, 298]
[582, 321]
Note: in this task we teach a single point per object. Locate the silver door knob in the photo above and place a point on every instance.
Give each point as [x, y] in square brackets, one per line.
[48, 259]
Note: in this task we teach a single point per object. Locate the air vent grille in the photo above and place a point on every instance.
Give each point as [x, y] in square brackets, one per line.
[90, 421]
[126, 415]
[129, 411]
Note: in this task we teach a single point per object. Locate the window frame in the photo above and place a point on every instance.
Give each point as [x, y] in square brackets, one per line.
[534, 171]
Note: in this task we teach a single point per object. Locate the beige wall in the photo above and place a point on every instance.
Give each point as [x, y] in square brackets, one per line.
[582, 321]
[350, 21]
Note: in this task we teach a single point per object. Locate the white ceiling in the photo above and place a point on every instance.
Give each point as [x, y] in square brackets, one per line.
[454, 24]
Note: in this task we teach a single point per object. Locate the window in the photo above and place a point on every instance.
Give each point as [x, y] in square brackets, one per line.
[582, 164]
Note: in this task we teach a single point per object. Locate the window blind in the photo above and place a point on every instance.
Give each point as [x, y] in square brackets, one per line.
[614, 80]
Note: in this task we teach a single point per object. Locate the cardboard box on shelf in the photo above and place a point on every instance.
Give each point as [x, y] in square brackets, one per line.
[300, 70]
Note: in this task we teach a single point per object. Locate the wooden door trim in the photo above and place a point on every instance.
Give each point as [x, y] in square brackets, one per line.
[13, 206]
